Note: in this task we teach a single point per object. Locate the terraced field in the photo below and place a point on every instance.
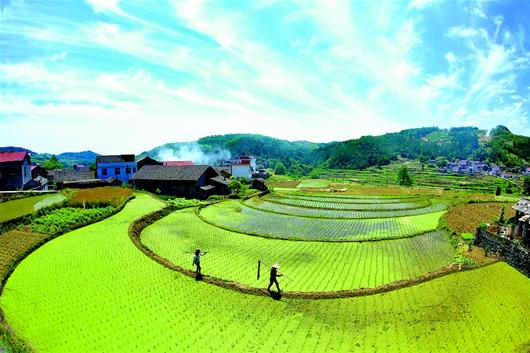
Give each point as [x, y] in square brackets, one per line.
[91, 290]
[21, 207]
[232, 215]
[358, 204]
[345, 198]
[311, 266]
[362, 211]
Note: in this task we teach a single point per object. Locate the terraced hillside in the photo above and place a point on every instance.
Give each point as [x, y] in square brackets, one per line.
[92, 290]
[238, 217]
[311, 266]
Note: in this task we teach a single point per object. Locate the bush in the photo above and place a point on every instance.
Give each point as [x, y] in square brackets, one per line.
[498, 191]
[404, 177]
[181, 202]
[468, 236]
[462, 260]
[66, 219]
[216, 198]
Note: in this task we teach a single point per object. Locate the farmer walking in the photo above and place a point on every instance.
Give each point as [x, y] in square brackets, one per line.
[273, 277]
[197, 262]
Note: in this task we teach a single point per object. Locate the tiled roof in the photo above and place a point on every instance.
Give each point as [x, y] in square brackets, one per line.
[115, 158]
[523, 206]
[70, 175]
[207, 187]
[7, 157]
[177, 163]
[175, 173]
[221, 180]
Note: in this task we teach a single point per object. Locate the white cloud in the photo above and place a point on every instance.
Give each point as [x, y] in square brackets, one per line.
[420, 4]
[360, 70]
[463, 32]
[104, 5]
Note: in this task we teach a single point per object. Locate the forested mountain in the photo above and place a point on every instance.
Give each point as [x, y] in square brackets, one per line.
[297, 155]
[66, 158]
[500, 146]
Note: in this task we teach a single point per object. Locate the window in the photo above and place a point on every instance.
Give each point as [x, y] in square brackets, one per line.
[134, 169]
[127, 170]
[117, 171]
[104, 171]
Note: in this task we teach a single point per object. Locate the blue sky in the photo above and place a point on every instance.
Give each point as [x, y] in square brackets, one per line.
[125, 76]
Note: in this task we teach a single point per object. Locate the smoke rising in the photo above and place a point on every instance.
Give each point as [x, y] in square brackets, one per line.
[193, 152]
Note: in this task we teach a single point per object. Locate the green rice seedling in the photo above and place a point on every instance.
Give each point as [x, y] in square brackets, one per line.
[364, 211]
[234, 256]
[232, 215]
[91, 290]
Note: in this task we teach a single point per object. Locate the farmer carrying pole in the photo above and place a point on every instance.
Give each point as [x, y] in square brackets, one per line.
[197, 262]
[273, 277]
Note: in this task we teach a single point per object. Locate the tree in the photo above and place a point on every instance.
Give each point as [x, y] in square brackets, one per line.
[441, 161]
[234, 185]
[280, 169]
[53, 163]
[498, 191]
[404, 177]
[501, 218]
[526, 186]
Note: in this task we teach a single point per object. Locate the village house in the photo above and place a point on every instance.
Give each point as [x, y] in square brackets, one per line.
[81, 168]
[240, 167]
[190, 181]
[15, 170]
[522, 220]
[147, 161]
[121, 167]
[176, 163]
[37, 170]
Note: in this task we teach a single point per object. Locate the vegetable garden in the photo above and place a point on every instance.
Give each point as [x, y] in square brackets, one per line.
[92, 290]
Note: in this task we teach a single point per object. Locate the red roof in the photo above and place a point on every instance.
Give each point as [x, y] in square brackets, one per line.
[6, 157]
[177, 163]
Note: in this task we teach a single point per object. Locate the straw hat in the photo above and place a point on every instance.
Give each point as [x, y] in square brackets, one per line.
[276, 265]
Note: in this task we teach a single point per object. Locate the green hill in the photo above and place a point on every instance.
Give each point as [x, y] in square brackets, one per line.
[268, 150]
[500, 147]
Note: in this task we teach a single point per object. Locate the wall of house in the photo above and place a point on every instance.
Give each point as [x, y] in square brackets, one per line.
[111, 171]
[241, 171]
[14, 175]
[26, 172]
[185, 189]
[512, 252]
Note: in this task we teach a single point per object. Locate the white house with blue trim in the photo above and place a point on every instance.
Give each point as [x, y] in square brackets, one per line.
[121, 167]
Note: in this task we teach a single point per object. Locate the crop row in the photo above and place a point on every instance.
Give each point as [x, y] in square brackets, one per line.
[361, 205]
[20, 207]
[339, 214]
[234, 256]
[467, 217]
[350, 199]
[100, 197]
[232, 215]
[93, 291]
[12, 245]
